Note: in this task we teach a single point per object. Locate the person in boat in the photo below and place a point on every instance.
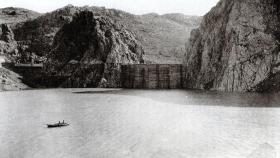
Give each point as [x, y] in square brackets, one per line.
[63, 121]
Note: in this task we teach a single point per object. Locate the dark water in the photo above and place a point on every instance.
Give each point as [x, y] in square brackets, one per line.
[139, 124]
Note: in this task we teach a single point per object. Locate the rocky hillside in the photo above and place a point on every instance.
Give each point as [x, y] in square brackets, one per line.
[236, 48]
[163, 37]
[10, 80]
[89, 39]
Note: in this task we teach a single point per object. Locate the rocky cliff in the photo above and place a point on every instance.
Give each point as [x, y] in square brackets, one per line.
[88, 40]
[236, 48]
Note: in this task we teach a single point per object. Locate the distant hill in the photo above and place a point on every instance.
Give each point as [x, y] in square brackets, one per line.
[164, 36]
[187, 20]
[13, 15]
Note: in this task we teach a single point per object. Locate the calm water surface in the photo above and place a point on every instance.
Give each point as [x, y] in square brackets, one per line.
[139, 124]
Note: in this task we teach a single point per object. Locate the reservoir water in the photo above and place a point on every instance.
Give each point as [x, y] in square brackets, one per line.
[139, 124]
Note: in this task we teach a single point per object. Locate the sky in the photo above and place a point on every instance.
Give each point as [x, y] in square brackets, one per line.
[188, 7]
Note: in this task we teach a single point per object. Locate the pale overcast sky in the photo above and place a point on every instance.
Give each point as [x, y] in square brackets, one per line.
[188, 7]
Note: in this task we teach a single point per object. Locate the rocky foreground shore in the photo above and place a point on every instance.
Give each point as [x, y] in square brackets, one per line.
[10, 81]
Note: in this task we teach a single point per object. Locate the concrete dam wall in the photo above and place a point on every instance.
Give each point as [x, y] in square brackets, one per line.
[153, 76]
[138, 76]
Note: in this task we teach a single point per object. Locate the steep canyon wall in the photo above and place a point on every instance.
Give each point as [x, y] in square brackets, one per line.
[236, 47]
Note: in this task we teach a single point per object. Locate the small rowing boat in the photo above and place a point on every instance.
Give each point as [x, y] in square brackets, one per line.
[59, 124]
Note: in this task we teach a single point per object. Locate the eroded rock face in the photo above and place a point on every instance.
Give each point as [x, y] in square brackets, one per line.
[8, 45]
[236, 47]
[6, 34]
[90, 40]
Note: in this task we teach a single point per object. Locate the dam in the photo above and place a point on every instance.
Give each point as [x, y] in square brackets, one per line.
[130, 76]
[152, 76]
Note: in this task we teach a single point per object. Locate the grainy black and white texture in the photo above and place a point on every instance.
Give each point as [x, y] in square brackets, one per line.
[141, 86]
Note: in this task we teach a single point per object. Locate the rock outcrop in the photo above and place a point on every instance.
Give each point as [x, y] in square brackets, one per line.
[236, 48]
[37, 35]
[8, 45]
[93, 40]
